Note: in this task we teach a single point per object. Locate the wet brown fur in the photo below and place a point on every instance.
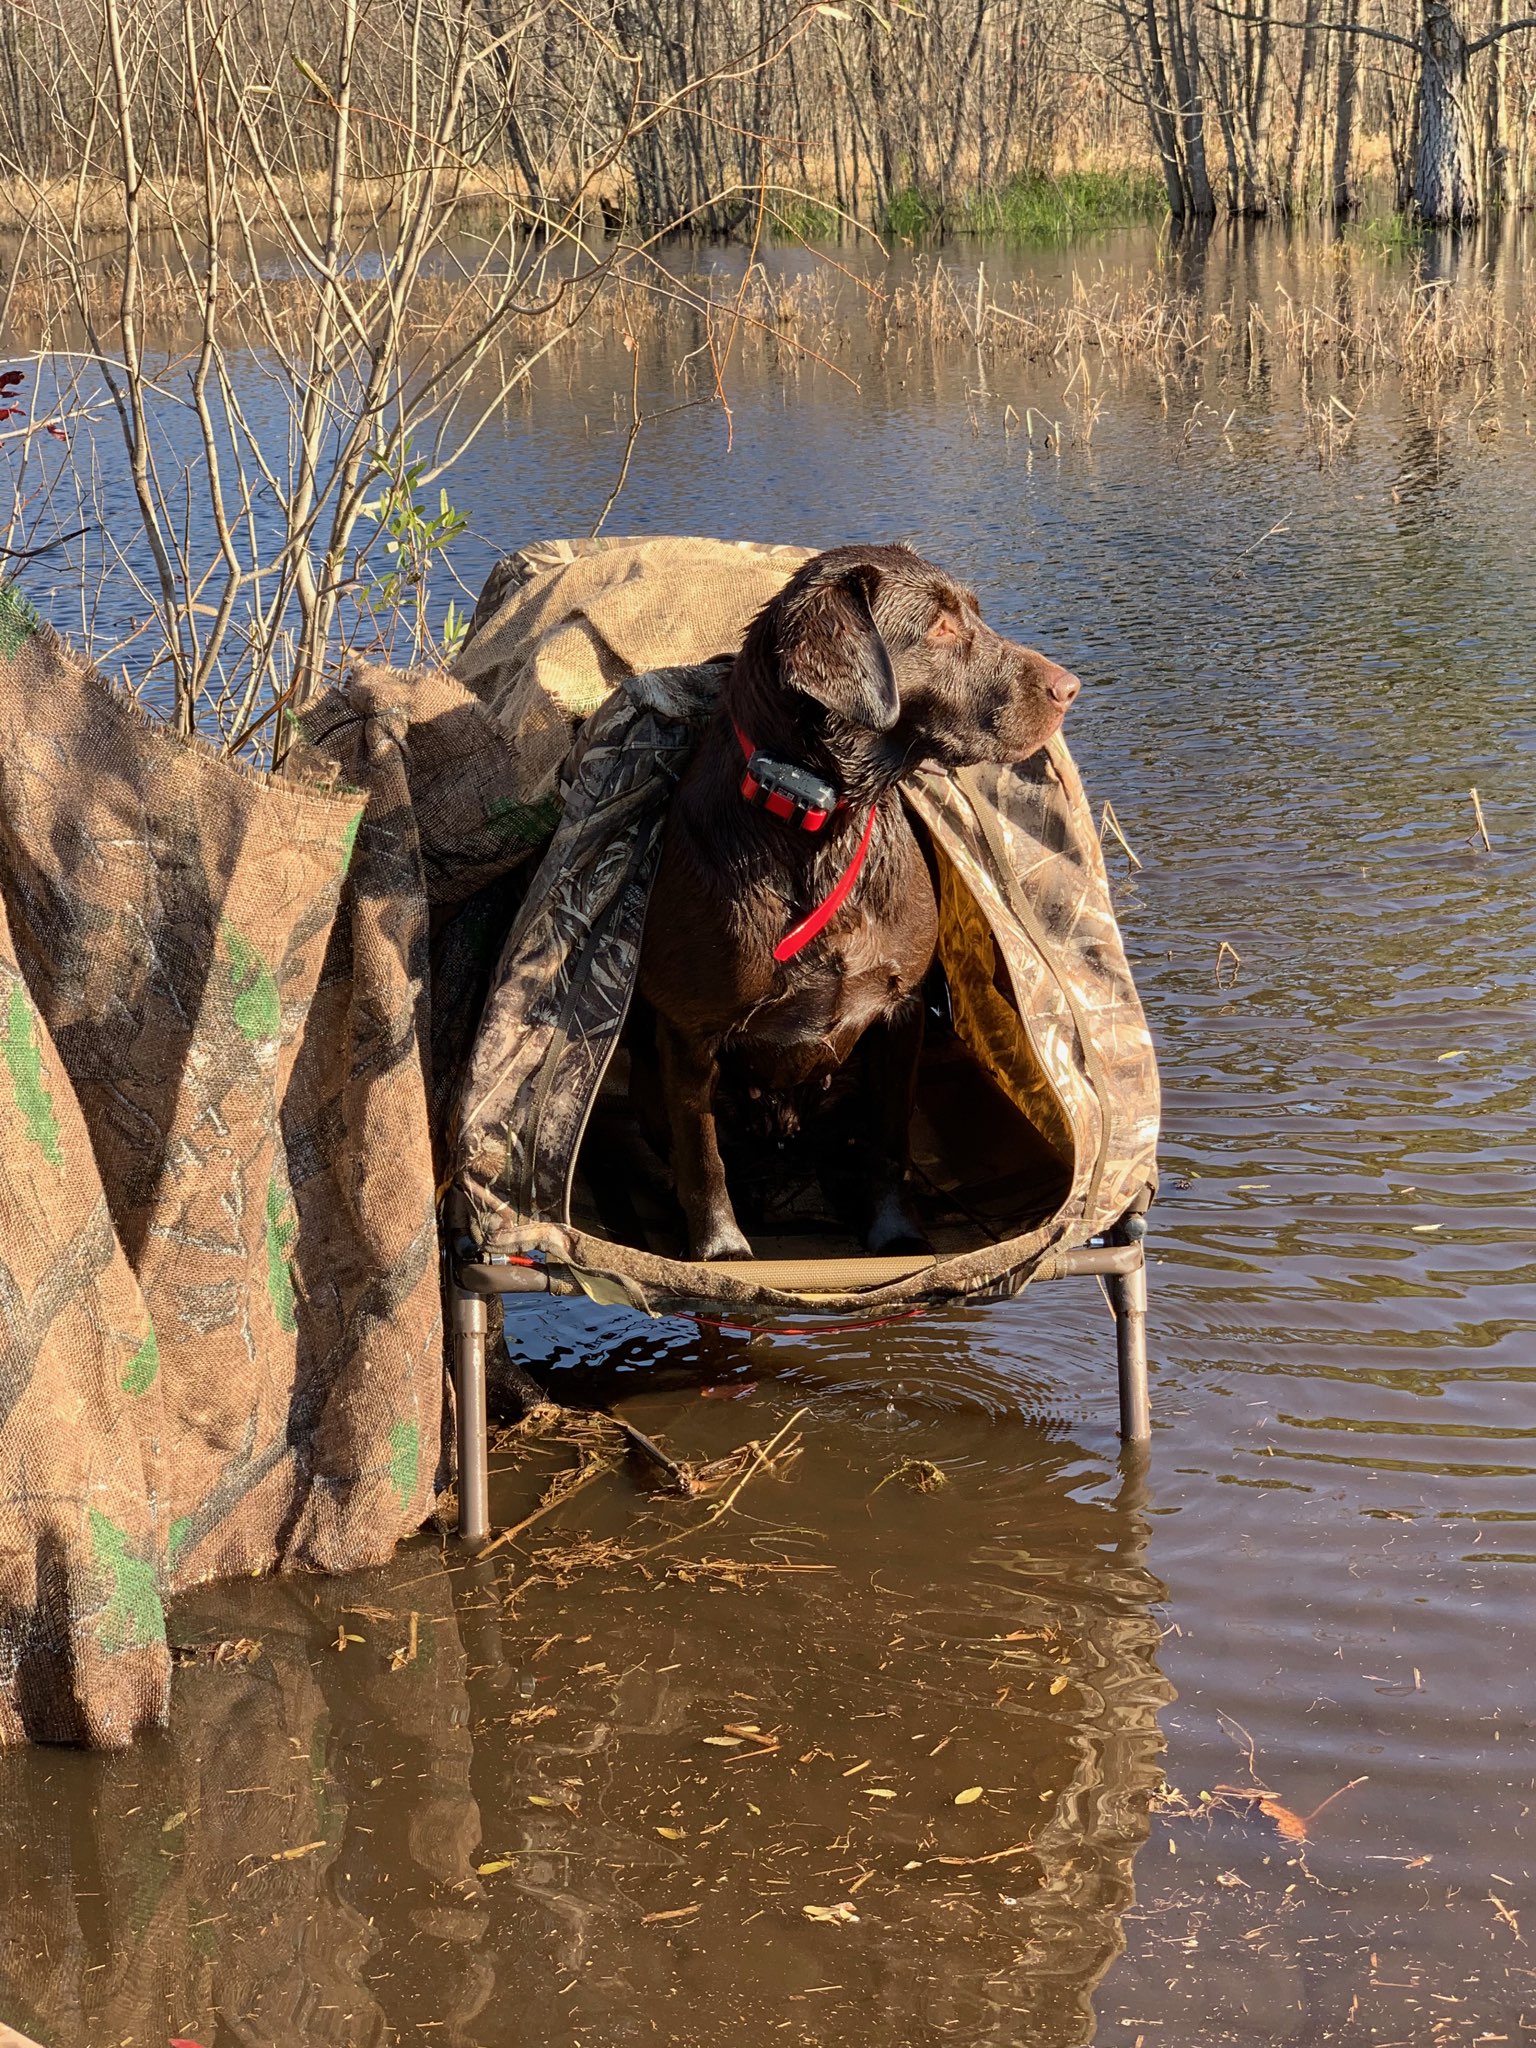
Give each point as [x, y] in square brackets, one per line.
[870, 663]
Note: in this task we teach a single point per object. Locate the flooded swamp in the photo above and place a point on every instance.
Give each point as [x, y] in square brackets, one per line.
[953, 1723]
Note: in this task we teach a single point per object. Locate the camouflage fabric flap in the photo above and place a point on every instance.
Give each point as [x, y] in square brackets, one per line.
[1023, 843]
[561, 624]
[563, 988]
[166, 917]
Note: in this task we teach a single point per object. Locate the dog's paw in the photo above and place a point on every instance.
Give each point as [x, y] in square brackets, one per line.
[893, 1233]
[724, 1241]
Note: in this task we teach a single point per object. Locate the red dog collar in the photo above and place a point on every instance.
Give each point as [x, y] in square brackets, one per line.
[787, 792]
[803, 799]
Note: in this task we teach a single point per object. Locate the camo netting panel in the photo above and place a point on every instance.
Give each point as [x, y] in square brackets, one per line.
[1018, 846]
[220, 1322]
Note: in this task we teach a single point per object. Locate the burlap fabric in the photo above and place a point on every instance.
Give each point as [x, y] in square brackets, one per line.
[220, 1321]
[1042, 992]
[560, 625]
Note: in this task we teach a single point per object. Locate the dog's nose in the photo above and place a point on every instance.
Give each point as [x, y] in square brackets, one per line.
[1061, 686]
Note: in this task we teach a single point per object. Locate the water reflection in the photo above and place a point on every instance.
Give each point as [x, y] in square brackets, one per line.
[581, 1793]
[282, 1865]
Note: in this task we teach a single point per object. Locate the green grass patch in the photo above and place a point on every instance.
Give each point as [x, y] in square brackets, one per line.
[1388, 234]
[1033, 207]
[913, 216]
[802, 220]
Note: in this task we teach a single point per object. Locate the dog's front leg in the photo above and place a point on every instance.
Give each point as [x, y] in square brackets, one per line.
[689, 1072]
[892, 1049]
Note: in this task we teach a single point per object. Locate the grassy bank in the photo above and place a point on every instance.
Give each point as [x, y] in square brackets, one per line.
[1033, 206]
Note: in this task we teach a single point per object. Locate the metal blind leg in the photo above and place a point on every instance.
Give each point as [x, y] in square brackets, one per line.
[1128, 1299]
[470, 1324]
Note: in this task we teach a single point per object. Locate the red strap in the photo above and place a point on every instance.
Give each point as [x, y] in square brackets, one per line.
[801, 934]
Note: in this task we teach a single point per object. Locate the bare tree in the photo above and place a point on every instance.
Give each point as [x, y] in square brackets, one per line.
[293, 333]
[1457, 164]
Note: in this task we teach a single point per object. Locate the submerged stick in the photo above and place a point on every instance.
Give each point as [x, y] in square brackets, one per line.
[1332, 1796]
[556, 1495]
[678, 1476]
[762, 1457]
[997, 1855]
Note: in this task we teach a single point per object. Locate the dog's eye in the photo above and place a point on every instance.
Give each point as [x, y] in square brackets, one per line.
[945, 627]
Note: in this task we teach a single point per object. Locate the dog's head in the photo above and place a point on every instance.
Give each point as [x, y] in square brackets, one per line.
[887, 644]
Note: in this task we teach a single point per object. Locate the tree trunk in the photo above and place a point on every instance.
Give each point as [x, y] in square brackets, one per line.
[963, 94]
[1244, 71]
[1444, 184]
[1231, 113]
[1345, 195]
[1306, 82]
[1184, 49]
[1157, 97]
[874, 59]
[1261, 102]
[1499, 178]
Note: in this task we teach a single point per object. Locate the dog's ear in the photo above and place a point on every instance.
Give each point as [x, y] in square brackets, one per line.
[830, 648]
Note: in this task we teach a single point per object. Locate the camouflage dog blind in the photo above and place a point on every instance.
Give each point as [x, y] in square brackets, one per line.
[221, 1066]
[1038, 1099]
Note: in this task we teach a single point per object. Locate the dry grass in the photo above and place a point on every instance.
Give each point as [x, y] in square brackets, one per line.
[1350, 315]
[1366, 323]
[96, 202]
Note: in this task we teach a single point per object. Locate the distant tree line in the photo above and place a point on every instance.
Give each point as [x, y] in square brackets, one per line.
[234, 233]
[692, 112]
[1264, 103]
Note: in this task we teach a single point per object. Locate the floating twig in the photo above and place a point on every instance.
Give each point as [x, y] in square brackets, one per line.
[996, 1856]
[1506, 1916]
[1291, 1827]
[921, 1474]
[1226, 951]
[563, 1487]
[759, 1461]
[1482, 823]
[408, 1650]
[1111, 824]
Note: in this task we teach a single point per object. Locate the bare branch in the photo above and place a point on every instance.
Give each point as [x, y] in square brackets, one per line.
[1338, 28]
[1494, 35]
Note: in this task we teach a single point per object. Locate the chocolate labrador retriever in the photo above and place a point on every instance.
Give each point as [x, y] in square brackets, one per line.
[794, 915]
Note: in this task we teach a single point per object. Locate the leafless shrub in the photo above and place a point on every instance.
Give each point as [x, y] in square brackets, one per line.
[260, 268]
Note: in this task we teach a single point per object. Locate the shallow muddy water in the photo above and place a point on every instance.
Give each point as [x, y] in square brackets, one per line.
[585, 1790]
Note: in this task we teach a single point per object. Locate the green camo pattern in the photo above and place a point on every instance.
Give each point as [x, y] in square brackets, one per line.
[24, 1059]
[18, 621]
[257, 1007]
[134, 1614]
[282, 1229]
[404, 1450]
[141, 1370]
